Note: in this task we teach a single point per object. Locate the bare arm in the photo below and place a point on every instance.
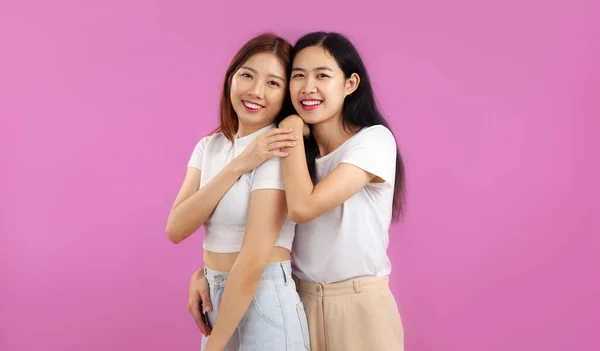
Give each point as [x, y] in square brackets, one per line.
[265, 220]
[193, 205]
[305, 201]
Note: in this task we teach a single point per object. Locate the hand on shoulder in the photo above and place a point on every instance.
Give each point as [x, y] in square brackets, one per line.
[264, 147]
[295, 122]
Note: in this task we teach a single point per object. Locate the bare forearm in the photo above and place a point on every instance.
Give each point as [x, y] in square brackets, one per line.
[296, 179]
[237, 296]
[186, 217]
[265, 219]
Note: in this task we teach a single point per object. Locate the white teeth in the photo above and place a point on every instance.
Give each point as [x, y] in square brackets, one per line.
[251, 105]
[311, 103]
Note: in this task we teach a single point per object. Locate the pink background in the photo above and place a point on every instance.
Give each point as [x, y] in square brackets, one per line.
[495, 107]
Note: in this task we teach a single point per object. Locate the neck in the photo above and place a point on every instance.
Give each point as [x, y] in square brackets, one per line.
[245, 129]
[330, 134]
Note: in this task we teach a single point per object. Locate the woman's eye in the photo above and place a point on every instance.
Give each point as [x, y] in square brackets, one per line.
[274, 83]
[297, 75]
[322, 75]
[246, 75]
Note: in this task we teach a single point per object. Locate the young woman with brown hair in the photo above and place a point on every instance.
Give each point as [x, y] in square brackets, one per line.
[234, 187]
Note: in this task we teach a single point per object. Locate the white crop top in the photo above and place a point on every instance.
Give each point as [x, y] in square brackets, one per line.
[226, 226]
[351, 240]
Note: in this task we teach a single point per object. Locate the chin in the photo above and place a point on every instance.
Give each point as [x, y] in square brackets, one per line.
[254, 119]
[312, 119]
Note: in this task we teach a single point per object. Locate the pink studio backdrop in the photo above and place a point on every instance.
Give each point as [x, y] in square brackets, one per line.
[495, 106]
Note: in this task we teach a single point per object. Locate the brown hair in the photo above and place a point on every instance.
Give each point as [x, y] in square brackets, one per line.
[266, 42]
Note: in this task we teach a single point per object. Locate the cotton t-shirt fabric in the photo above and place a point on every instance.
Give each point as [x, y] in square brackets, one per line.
[351, 240]
[226, 226]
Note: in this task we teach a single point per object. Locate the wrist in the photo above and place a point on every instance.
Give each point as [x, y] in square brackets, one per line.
[198, 274]
[212, 343]
[234, 168]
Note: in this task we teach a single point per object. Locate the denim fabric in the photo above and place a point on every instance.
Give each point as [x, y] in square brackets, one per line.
[275, 319]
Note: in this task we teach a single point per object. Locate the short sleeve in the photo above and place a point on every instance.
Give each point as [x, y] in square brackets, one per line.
[198, 154]
[268, 175]
[374, 150]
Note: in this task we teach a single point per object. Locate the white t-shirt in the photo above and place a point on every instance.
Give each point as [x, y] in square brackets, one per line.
[226, 225]
[351, 240]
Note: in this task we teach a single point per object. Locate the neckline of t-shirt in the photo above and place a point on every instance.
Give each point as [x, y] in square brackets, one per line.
[321, 159]
[247, 139]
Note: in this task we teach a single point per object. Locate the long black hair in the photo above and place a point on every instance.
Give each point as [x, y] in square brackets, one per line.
[360, 108]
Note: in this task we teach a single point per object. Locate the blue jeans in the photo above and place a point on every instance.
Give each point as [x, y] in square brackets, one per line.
[275, 319]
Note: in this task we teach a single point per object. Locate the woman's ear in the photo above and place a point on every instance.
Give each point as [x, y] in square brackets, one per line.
[352, 83]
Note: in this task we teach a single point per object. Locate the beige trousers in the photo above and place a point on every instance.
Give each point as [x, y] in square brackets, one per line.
[356, 315]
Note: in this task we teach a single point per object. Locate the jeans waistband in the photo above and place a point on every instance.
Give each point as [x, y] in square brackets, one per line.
[277, 271]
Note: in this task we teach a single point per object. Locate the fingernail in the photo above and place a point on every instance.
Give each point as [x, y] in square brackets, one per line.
[285, 154]
[296, 136]
[291, 129]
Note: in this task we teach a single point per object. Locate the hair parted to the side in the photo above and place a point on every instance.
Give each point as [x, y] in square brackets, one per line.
[263, 43]
[360, 108]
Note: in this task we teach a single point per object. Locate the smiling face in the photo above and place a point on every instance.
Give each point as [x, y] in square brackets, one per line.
[318, 86]
[258, 90]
